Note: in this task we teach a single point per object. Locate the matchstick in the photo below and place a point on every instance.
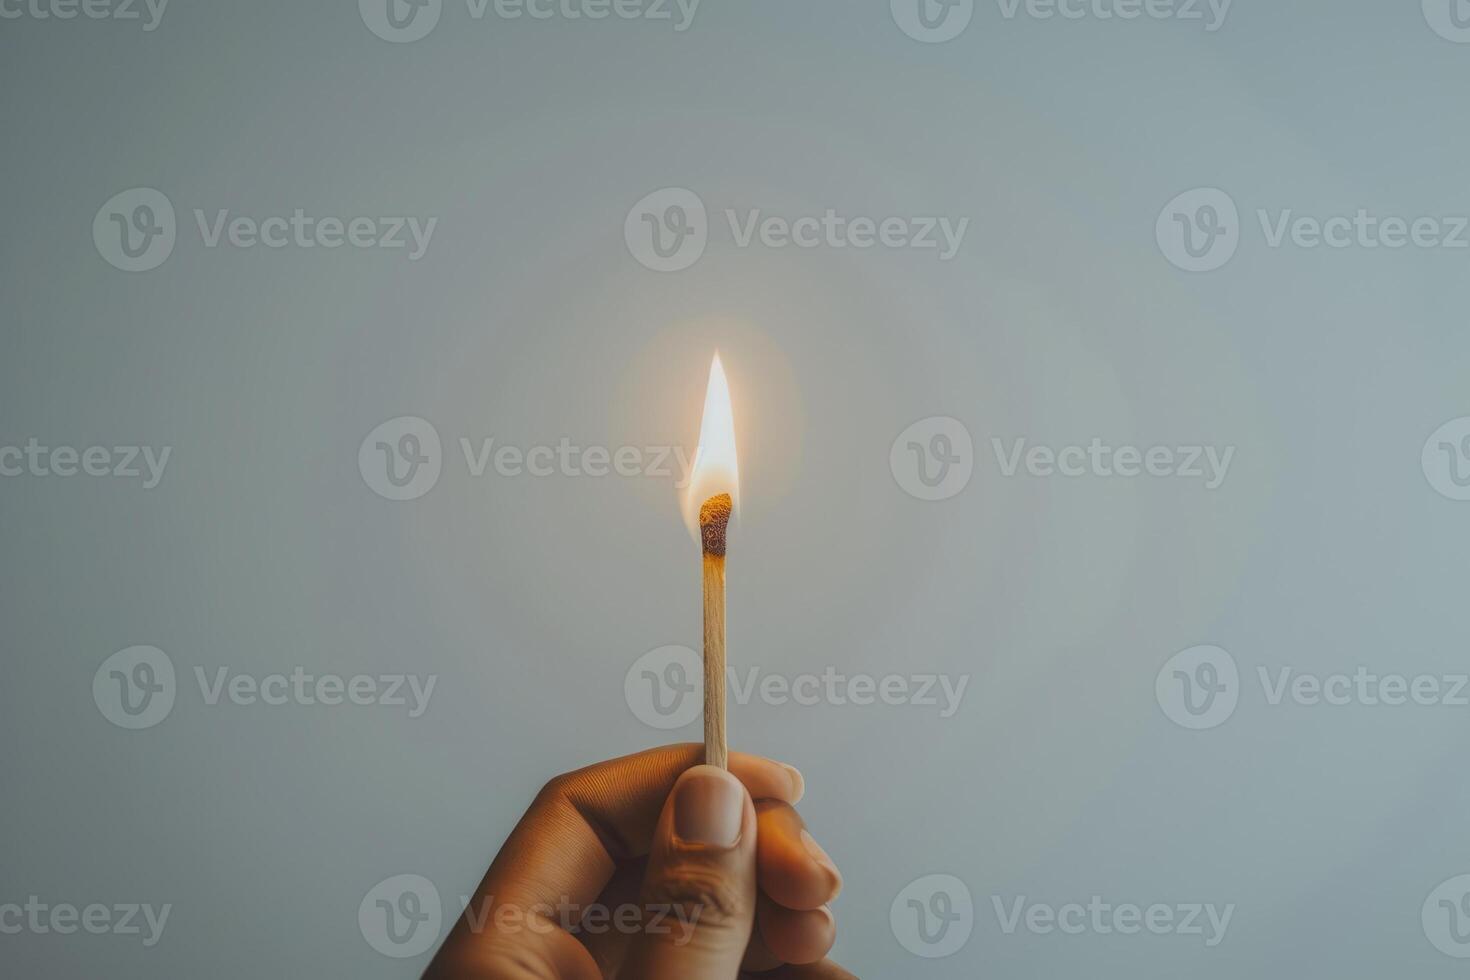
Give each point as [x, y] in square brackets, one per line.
[714, 520]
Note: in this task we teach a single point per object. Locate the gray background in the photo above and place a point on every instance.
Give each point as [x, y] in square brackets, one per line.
[528, 320]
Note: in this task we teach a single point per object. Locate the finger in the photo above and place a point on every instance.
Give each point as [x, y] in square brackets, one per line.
[795, 936]
[793, 869]
[607, 945]
[702, 868]
[825, 970]
[566, 847]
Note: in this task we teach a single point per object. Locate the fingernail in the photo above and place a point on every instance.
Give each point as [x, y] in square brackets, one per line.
[709, 805]
[798, 783]
[820, 856]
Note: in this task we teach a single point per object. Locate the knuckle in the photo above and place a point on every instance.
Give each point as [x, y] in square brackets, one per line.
[699, 890]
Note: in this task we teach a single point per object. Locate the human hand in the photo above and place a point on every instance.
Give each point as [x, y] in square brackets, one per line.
[657, 868]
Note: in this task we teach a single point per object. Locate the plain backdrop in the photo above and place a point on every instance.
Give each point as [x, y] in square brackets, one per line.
[529, 321]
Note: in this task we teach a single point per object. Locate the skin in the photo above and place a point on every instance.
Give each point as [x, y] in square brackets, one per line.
[604, 837]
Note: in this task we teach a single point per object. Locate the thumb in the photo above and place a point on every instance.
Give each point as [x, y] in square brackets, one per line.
[701, 876]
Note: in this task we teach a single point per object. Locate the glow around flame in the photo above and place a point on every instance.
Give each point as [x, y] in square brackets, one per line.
[715, 470]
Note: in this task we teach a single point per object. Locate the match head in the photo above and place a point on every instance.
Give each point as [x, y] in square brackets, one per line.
[714, 519]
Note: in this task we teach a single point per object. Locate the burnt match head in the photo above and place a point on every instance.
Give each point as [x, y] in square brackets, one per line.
[714, 519]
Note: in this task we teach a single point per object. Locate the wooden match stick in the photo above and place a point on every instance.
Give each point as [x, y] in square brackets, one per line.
[714, 520]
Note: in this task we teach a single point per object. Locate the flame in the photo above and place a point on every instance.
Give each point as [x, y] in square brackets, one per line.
[715, 470]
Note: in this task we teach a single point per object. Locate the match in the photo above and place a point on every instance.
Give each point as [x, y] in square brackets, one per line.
[714, 522]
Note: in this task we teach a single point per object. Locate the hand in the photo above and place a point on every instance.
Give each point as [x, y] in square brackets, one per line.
[655, 868]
